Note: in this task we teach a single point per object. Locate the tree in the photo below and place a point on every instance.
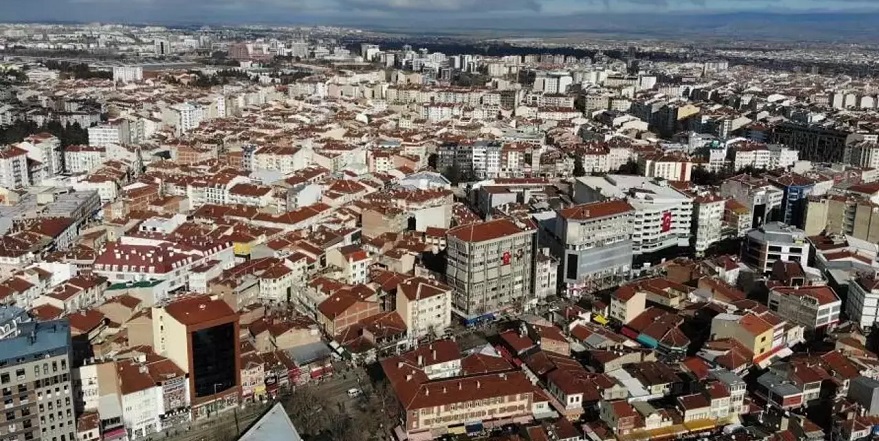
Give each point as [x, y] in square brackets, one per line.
[453, 174]
[309, 411]
[578, 166]
[431, 160]
[630, 168]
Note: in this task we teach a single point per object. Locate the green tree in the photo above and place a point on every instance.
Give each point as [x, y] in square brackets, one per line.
[453, 174]
[630, 168]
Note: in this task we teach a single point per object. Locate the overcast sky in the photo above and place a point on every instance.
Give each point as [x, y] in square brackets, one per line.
[298, 11]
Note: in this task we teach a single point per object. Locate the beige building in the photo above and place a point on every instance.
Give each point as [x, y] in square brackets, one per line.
[853, 216]
[627, 302]
[489, 266]
[425, 306]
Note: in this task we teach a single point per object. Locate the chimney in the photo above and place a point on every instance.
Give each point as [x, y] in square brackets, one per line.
[478, 384]
[409, 377]
[420, 360]
[460, 386]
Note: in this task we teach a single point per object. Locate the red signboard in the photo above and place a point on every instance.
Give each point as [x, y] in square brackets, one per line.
[507, 257]
[666, 221]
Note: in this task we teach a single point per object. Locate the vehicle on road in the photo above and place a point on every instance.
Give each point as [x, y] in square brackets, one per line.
[354, 392]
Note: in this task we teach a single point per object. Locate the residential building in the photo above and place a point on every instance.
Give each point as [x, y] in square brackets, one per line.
[127, 74]
[708, 213]
[773, 242]
[862, 303]
[113, 132]
[425, 306]
[670, 167]
[762, 199]
[815, 308]
[83, 159]
[662, 214]
[595, 241]
[851, 215]
[489, 266]
[626, 303]
[13, 168]
[44, 156]
[36, 380]
[796, 189]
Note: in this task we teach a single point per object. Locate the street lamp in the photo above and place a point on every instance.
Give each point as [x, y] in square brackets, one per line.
[214, 406]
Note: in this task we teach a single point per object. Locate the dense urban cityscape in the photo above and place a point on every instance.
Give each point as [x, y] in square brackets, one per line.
[267, 233]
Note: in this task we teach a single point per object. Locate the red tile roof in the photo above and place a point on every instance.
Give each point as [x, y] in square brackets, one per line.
[485, 231]
[195, 310]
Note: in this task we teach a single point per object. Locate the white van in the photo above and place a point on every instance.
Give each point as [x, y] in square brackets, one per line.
[354, 392]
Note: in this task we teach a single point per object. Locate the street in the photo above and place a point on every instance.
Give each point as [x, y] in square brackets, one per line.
[207, 429]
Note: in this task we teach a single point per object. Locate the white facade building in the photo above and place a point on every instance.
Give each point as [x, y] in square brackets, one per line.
[862, 304]
[13, 168]
[83, 159]
[772, 242]
[114, 132]
[663, 215]
[707, 221]
[127, 74]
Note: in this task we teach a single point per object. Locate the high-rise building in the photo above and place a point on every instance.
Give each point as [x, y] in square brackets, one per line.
[489, 266]
[663, 215]
[773, 242]
[162, 46]
[595, 242]
[13, 168]
[127, 74]
[36, 383]
[200, 335]
[761, 198]
[114, 132]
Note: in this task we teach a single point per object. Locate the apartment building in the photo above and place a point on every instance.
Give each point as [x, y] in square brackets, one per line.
[127, 74]
[848, 215]
[13, 168]
[595, 240]
[83, 158]
[489, 266]
[44, 152]
[672, 167]
[708, 214]
[113, 132]
[662, 214]
[754, 155]
[796, 190]
[479, 160]
[773, 242]
[35, 379]
[862, 304]
[762, 199]
[425, 306]
[812, 307]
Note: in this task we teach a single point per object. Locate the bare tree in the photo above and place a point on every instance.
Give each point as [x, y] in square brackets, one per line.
[308, 411]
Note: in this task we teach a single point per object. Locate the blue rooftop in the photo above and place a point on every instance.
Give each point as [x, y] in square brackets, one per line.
[34, 340]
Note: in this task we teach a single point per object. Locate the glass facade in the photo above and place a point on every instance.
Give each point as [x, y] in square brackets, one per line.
[213, 359]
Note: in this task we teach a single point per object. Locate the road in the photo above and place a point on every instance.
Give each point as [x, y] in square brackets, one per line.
[207, 429]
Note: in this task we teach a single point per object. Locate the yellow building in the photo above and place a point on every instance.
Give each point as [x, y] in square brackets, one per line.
[750, 330]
